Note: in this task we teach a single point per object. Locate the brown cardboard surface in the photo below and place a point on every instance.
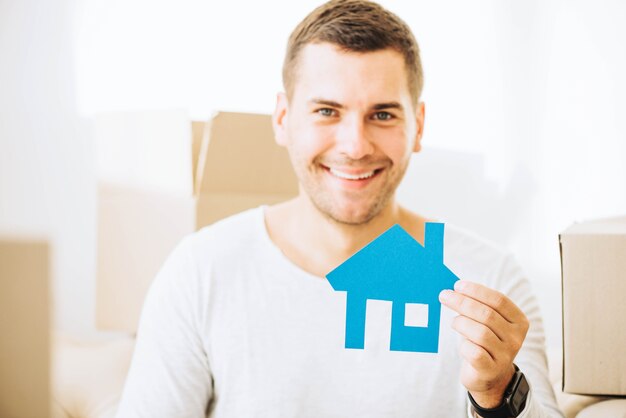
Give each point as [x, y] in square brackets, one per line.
[137, 229]
[216, 206]
[242, 157]
[593, 260]
[24, 329]
[199, 134]
[237, 166]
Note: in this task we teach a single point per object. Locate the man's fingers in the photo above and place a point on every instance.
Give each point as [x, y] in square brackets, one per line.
[478, 333]
[492, 298]
[493, 328]
[476, 356]
[473, 309]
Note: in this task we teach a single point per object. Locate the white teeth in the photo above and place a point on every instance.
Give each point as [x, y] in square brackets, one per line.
[351, 176]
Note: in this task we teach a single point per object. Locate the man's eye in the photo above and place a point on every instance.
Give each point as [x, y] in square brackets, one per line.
[383, 115]
[326, 112]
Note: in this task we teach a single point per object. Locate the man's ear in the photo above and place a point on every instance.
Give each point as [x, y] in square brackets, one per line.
[279, 119]
[420, 114]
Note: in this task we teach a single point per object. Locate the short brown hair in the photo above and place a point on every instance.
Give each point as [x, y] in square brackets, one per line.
[357, 26]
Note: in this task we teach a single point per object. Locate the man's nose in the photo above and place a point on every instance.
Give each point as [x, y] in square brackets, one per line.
[352, 139]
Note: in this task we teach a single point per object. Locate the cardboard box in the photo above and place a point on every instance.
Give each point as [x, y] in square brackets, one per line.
[593, 263]
[24, 329]
[236, 165]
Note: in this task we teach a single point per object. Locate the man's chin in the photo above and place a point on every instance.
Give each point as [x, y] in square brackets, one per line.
[354, 217]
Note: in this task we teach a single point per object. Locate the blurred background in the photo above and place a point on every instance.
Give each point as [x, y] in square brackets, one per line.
[525, 113]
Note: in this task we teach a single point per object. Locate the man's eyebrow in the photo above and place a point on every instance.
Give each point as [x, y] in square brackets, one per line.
[378, 106]
[389, 105]
[325, 102]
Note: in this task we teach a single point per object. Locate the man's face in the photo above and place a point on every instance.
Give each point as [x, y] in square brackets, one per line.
[350, 128]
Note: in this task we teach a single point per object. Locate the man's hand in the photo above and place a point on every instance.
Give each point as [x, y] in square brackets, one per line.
[494, 329]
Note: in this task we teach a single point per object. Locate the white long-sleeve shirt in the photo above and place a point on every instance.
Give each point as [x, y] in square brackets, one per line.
[232, 328]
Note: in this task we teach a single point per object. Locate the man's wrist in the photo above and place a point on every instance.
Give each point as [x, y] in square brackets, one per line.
[493, 397]
[513, 401]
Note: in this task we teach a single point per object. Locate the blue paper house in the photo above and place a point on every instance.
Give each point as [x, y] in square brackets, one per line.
[394, 267]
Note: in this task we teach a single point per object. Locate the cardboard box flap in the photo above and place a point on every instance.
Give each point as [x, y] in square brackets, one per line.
[199, 130]
[602, 226]
[241, 157]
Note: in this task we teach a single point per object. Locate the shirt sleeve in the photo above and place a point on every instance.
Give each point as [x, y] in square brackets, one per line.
[169, 375]
[531, 359]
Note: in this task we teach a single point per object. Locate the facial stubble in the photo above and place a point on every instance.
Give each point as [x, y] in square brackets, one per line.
[329, 207]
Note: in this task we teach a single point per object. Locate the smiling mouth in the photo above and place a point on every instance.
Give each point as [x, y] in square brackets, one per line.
[353, 176]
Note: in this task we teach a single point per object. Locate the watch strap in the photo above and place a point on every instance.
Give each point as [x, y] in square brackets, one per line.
[513, 400]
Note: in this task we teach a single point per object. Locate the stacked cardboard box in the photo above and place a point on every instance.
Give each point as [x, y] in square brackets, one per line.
[24, 328]
[593, 261]
[235, 165]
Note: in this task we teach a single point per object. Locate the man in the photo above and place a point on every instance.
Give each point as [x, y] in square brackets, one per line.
[240, 321]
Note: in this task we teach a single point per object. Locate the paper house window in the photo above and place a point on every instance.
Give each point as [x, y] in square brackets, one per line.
[416, 315]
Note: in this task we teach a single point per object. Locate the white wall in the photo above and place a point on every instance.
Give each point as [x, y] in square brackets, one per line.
[46, 165]
[524, 102]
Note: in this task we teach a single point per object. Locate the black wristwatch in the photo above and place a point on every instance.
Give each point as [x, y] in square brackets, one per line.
[513, 402]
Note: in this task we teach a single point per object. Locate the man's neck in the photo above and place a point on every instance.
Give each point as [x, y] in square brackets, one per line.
[318, 244]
